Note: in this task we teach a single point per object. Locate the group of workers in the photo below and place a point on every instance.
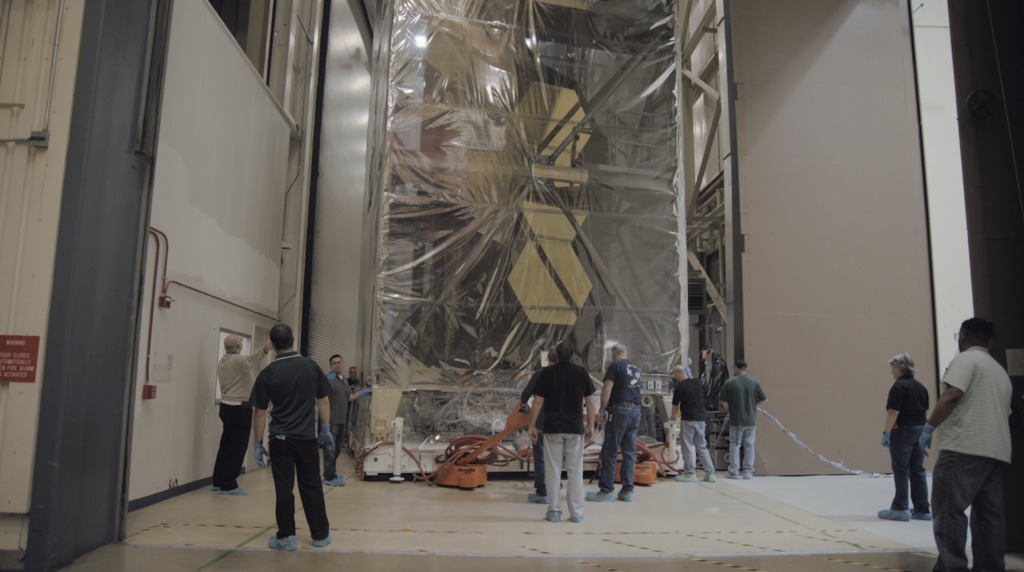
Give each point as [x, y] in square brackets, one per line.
[565, 415]
[310, 412]
[973, 410]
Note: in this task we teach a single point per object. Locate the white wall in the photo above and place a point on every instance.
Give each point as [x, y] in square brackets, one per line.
[951, 265]
[219, 193]
[31, 182]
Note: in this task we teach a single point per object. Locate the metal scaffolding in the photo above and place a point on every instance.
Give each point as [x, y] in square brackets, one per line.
[708, 169]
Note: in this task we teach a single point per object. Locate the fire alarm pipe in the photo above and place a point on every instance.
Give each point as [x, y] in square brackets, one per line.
[152, 302]
[165, 300]
[168, 283]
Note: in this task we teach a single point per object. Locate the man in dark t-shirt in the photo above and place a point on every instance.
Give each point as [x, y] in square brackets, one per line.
[539, 481]
[297, 388]
[688, 397]
[739, 398]
[560, 392]
[906, 413]
[620, 400]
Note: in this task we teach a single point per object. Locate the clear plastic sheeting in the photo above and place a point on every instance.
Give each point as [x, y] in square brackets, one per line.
[522, 190]
[477, 412]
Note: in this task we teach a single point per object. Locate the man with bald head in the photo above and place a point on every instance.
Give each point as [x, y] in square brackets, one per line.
[620, 400]
[236, 374]
[688, 399]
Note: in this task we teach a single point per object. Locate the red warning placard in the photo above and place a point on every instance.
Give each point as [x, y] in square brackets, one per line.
[19, 356]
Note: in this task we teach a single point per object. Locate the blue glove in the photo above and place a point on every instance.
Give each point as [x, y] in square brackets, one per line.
[326, 438]
[365, 392]
[261, 454]
[885, 439]
[926, 438]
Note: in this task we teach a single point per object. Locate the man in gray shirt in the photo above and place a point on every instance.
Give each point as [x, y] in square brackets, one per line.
[739, 398]
[340, 395]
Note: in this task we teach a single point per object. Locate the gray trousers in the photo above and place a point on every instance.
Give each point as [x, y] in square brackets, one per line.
[745, 436]
[695, 442]
[564, 451]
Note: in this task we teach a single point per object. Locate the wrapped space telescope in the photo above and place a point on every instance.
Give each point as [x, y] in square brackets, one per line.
[522, 190]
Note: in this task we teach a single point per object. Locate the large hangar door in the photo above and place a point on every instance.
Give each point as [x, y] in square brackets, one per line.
[832, 213]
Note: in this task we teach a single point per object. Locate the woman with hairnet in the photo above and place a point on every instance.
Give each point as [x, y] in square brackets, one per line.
[906, 414]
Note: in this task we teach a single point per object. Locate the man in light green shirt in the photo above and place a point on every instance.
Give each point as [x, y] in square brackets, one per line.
[739, 398]
[972, 414]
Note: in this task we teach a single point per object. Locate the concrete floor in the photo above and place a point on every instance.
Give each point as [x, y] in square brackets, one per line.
[820, 524]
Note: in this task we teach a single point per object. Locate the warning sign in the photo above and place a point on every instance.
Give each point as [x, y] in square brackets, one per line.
[18, 358]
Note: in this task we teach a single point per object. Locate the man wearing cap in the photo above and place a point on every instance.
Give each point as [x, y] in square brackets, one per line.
[739, 398]
[972, 413]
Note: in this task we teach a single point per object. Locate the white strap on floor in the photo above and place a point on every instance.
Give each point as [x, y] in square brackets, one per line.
[797, 440]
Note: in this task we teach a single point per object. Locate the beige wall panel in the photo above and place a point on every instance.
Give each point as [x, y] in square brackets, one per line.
[31, 182]
[219, 191]
[836, 274]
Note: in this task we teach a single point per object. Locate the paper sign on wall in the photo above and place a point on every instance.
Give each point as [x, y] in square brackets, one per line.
[1015, 362]
[19, 356]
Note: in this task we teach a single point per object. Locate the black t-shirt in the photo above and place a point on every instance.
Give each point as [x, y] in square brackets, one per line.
[689, 396]
[910, 398]
[563, 387]
[293, 384]
[627, 382]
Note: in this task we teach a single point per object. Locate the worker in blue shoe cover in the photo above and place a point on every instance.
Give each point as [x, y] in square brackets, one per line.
[236, 374]
[560, 394]
[739, 398]
[620, 402]
[972, 414]
[339, 397]
[688, 402]
[540, 494]
[906, 411]
[297, 389]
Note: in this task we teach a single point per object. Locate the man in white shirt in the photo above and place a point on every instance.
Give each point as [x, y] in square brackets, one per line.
[236, 374]
[972, 413]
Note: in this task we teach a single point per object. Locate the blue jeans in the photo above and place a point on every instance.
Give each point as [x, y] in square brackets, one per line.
[695, 442]
[746, 436]
[619, 432]
[959, 481]
[538, 466]
[908, 468]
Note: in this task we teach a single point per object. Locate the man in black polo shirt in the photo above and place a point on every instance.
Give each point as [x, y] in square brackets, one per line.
[297, 388]
[620, 398]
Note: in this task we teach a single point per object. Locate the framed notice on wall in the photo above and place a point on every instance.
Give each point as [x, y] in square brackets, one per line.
[19, 357]
[1015, 362]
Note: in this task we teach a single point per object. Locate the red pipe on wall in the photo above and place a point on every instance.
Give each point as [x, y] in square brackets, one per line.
[165, 285]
